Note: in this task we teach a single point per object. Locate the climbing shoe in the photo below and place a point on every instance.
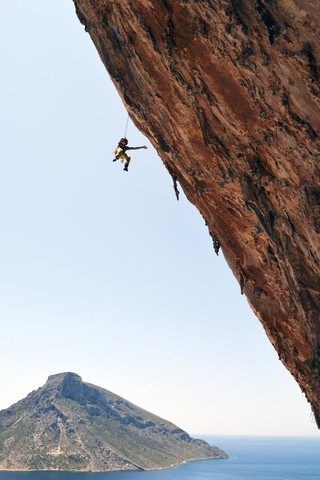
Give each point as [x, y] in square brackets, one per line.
[114, 160]
[126, 169]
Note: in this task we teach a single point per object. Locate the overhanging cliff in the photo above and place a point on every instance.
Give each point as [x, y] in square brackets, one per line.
[228, 94]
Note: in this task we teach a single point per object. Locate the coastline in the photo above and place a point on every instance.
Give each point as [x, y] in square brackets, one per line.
[184, 462]
[250, 456]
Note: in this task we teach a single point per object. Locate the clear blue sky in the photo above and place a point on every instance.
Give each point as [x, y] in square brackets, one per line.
[103, 272]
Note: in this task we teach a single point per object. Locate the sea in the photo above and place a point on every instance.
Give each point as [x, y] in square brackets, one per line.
[250, 458]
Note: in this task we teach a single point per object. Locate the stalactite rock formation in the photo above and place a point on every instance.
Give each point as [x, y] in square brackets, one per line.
[228, 94]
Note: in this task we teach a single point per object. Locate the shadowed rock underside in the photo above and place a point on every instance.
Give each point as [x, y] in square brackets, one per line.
[228, 94]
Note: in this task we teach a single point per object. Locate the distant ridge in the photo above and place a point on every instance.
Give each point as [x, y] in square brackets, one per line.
[69, 424]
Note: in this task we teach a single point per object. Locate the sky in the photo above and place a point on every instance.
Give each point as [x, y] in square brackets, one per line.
[103, 273]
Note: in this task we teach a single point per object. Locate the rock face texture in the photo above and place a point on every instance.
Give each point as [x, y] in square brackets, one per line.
[71, 425]
[228, 94]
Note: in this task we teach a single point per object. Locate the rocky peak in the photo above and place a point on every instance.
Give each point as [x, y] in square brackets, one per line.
[64, 377]
[70, 385]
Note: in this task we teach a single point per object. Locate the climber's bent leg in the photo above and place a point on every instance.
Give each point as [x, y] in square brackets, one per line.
[127, 158]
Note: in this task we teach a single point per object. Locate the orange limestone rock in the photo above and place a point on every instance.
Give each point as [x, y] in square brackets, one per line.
[228, 94]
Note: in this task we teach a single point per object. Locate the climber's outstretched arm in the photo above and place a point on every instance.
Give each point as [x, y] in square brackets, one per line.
[135, 148]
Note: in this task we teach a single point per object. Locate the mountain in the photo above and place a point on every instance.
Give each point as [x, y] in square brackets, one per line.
[228, 94]
[69, 424]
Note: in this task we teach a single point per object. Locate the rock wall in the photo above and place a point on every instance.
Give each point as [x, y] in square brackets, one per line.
[228, 94]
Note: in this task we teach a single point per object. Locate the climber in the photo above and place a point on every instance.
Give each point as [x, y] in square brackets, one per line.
[121, 152]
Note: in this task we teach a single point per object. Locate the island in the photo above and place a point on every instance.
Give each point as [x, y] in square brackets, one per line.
[68, 424]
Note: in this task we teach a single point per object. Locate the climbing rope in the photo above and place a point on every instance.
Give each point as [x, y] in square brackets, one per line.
[125, 133]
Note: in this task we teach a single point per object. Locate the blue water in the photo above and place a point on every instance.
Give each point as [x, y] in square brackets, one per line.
[251, 458]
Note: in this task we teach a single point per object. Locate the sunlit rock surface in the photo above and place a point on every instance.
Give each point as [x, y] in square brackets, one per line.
[228, 94]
